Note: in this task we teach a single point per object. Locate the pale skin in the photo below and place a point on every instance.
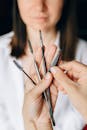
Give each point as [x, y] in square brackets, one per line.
[35, 111]
[74, 83]
[39, 15]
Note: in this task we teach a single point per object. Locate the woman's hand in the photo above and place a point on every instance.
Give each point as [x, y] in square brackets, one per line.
[35, 110]
[74, 83]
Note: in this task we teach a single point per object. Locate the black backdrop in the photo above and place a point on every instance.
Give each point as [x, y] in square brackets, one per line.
[6, 17]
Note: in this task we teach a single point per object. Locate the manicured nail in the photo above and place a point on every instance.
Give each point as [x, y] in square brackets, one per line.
[47, 76]
[53, 70]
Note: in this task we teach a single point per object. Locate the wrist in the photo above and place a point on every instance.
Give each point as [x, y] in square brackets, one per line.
[29, 125]
[44, 126]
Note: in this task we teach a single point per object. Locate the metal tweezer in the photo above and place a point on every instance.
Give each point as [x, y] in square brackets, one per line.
[54, 62]
[45, 93]
[21, 68]
[48, 90]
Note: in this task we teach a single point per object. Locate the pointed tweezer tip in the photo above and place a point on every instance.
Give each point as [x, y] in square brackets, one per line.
[40, 31]
[54, 123]
[17, 64]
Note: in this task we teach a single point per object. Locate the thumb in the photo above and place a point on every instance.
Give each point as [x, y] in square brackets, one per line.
[43, 85]
[63, 80]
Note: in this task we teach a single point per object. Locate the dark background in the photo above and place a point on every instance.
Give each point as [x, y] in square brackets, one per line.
[6, 17]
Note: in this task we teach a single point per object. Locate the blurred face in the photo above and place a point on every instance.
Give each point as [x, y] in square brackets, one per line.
[40, 14]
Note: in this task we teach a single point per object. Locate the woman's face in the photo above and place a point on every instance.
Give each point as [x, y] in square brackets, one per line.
[40, 14]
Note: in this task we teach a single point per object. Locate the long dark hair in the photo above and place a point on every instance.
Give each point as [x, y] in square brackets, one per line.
[66, 26]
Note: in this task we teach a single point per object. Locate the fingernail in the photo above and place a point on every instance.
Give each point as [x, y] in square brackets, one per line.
[53, 70]
[47, 76]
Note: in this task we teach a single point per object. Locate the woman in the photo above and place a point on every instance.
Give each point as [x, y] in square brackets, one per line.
[55, 20]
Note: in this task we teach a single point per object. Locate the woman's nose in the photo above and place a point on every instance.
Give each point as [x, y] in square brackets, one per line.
[40, 5]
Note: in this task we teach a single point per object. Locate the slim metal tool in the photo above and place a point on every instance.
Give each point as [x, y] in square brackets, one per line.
[54, 62]
[35, 64]
[36, 67]
[21, 68]
[48, 90]
[56, 58]
[39, 77]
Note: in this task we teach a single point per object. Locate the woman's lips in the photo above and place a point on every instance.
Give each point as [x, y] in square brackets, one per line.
[40, 17]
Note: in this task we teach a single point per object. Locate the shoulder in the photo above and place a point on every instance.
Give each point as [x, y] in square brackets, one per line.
[6, 39]
[5, 50]
[81, 51]
[81, 44]
[5, 42]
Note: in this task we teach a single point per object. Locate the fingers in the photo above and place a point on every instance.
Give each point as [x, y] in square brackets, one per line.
[69, 65]
[74, 69]
[43, 85]
[63, 80]
[58, 87]
[28, 86]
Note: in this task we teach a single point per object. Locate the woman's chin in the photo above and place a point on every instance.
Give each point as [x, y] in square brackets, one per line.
[40, 27]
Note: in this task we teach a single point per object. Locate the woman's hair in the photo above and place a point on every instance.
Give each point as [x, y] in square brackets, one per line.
[66, 26]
